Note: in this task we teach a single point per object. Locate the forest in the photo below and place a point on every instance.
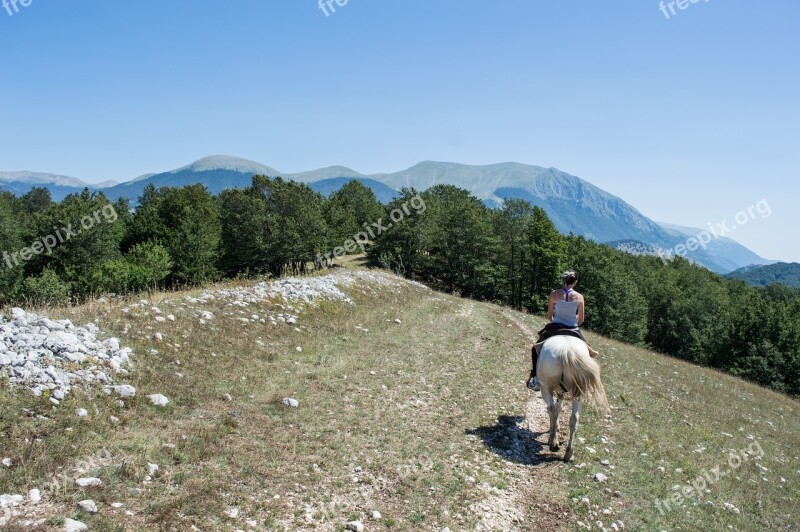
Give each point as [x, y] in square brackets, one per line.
[85, 246]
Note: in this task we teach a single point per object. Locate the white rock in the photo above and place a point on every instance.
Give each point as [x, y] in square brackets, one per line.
[599, 477]
[376, 515]
[81, 412]
[10, 500]
[293, 403]
[152, 469]
[233, 512]
[397, 320]
[117, 505]
[158, 337]
[124, 390]
[89, 482]
[17, 313]
[114, 419]
[158, 400]
[35, 496]
[88, 505]
[355, 526]
[7, 462]
[71, 525]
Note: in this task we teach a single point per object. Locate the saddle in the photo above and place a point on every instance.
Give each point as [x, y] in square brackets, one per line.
[556, 329]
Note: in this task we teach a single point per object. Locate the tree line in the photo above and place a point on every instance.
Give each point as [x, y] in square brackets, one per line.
[178, 237]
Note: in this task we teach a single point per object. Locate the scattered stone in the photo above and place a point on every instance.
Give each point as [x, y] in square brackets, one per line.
[355, 526]
[7, 462]
[397, 321]
[88, 506]
[158, 400]
[71, 525]
[293, 403]
[152, 469]
[10, 500]
[232, 512]
[117, 505]
[89, 482]
[376, 515]
[114, 419]
[81, 412]
[599, 477]
[124, 390]
[731, 507]
[35, 496]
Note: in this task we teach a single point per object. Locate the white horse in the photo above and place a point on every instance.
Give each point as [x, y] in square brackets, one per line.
[565, 369]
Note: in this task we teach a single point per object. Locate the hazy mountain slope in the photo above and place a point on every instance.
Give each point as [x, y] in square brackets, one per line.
[573, 204]
[325, 173]
[40, 178]
[722, 255]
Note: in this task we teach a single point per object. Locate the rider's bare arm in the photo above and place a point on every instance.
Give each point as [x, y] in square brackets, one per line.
[581, 311]
[551, 305]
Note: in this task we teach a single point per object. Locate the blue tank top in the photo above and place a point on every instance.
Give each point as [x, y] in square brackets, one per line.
[566, 311]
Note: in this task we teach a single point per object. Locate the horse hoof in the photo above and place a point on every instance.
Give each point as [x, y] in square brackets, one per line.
[568, 457]
[554, 448]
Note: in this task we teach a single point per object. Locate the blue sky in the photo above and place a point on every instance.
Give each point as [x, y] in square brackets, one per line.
[690, 119]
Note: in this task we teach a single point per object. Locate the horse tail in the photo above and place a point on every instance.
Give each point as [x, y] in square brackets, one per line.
[584, 373]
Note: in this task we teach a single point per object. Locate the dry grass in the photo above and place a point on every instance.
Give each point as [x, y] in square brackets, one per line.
[420, 420]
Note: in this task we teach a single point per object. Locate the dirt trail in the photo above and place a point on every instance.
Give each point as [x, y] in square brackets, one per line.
[526, 503]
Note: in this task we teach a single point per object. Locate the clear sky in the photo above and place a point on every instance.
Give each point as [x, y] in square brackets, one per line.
[690, 118]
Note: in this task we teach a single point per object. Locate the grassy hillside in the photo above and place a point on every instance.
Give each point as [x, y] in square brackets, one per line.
[412, 403]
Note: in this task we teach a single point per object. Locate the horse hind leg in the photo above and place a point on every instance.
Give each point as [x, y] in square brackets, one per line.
[555, 413]
[550, 401]
[573, 426]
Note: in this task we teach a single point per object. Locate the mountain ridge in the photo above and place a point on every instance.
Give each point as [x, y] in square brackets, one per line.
[573, 204]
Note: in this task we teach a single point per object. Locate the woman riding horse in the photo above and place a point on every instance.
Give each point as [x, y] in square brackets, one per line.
[565, 312]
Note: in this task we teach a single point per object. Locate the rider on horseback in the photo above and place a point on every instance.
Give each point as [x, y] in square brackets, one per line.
[565, 312]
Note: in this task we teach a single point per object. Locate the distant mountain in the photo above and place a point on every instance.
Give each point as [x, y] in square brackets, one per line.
[22, 182]
[326, 187]
[722, 254]
[781, 272]
[325, 173]
[217, 173]
[575, 205]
